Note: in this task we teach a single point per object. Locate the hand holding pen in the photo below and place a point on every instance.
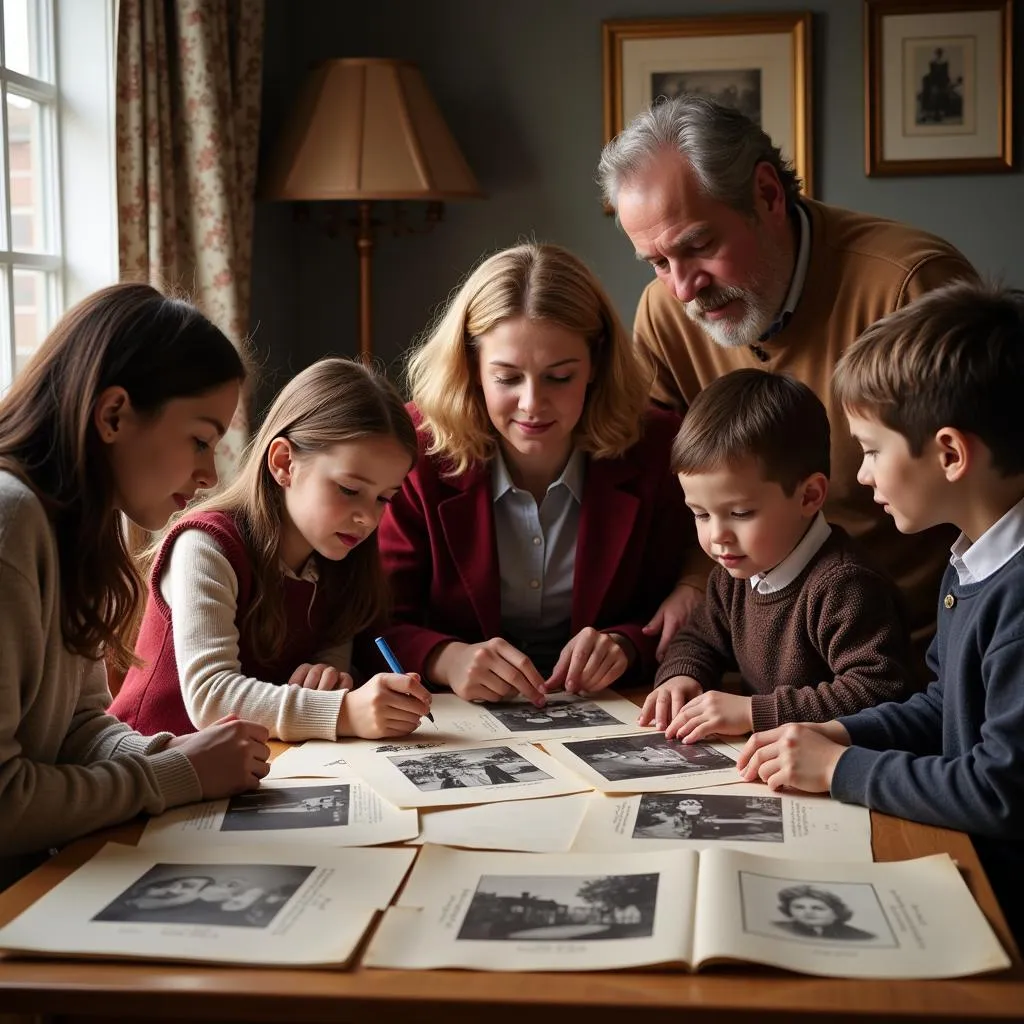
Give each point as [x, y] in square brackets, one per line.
[394, 665]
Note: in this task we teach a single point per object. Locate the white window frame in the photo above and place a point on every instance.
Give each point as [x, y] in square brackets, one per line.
[81, 208]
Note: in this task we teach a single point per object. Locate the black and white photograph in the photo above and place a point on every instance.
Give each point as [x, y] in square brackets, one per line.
[648, 754]
[939, 68]
[691, 816]
[215, 895]
[814, 912]
[556, 714]
[739, 88]
[556, 908]
[467, 769]
[271, 810]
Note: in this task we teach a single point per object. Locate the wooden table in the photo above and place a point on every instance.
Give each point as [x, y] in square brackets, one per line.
[83, 992]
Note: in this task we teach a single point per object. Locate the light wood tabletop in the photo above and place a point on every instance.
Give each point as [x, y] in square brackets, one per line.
[77, 991]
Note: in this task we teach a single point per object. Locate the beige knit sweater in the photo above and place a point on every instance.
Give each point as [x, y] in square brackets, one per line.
[66, 767]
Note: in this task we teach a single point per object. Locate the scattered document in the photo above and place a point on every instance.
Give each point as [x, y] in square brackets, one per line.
[744, 816]
[309, 906]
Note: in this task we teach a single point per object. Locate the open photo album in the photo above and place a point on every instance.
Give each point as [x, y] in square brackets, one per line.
[685, 909]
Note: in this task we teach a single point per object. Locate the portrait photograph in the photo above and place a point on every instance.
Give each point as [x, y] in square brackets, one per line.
[739, 88]
[297, 807]
[467, 769]
[560, 908]
[822, 913]
[215, 895]
[709, 817]
[617, 758]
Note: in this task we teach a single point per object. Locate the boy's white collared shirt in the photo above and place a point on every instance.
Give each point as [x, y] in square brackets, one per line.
[796, 561]
[992, 550]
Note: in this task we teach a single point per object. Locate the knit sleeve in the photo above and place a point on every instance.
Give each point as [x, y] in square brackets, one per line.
[98, 779]
[703, 647]
[855, 624]
[201, 589]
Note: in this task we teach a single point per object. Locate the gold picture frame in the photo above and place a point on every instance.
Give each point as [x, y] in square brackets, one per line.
[762, 61]
[938, 86]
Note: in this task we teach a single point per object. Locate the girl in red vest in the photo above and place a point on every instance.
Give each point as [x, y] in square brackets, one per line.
[267, 583]
[119, 411]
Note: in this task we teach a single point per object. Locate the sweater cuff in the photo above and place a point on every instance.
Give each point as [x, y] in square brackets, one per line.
[175, 778]
[764, 712]
[850, 778]
[316, 716]
[132, 744]
[669, 669]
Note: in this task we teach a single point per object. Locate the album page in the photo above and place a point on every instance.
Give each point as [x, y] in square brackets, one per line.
[314, 759]
[743, 816]
[547, 825]
[646, 762]
[285, 811]
[539, 912]
[304, 906]
[897, 919]
[469, 774]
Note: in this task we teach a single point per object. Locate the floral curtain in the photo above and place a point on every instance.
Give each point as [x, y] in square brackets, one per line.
[188, 112]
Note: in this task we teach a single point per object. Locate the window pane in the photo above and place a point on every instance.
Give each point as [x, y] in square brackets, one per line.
[31, 313]
[28, 143]
[26, 42]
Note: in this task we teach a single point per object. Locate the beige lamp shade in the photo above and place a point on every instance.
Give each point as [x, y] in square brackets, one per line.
[367, 129]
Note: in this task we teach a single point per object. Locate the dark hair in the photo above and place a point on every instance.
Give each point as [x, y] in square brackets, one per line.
[157, 349]
[952, 358]
[830, 899]
[770, 417]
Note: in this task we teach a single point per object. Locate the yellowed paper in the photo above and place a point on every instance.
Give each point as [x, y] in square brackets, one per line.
[285, 811]
[277, 907]
[646, 763]
[314, 759]
[548, 825]
[467, 774]
[743, 816]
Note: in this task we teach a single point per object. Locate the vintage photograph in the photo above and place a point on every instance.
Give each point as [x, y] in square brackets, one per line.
[751, 819]
[558, 713]
[552, 908]
[456, 769]
[814, 912]
[937, 69]
[616, 758]
[216, 895]
[939, 83]
[739, 88]
[269, 810]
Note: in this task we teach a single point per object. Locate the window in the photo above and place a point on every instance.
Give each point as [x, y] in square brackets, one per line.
[31, 265]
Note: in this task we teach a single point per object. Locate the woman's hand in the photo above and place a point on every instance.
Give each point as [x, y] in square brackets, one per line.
[490, 671]
[590, 661]
[320, 677]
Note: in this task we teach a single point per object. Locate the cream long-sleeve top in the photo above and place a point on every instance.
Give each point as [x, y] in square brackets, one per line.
[66, 766]
[201, 589]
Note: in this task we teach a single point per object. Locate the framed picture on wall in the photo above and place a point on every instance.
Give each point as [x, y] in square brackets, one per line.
[939, 86]
[760, 63]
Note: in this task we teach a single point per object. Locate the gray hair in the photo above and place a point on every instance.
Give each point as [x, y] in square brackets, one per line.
[723, 146]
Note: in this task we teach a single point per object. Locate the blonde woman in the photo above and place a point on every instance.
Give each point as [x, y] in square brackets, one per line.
[541, 527]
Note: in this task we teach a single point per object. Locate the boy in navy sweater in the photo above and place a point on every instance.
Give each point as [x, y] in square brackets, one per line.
[933, 395]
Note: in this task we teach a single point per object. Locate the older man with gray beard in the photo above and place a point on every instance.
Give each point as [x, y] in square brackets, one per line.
[750, 272]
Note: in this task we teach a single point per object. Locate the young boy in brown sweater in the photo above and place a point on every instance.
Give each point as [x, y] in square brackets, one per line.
[791, 604]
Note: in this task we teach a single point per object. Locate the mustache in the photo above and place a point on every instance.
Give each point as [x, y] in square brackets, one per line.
[712, 298]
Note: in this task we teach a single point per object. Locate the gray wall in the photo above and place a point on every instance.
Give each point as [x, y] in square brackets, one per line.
[520, 86]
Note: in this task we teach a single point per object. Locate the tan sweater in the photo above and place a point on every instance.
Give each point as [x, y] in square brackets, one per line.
[860, 268]
[831, 643]
[66, 767]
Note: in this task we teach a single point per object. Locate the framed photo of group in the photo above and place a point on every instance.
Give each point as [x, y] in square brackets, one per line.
[938, 86]
[760, 63]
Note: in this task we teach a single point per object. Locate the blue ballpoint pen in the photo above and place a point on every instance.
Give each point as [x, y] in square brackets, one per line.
[389, 657]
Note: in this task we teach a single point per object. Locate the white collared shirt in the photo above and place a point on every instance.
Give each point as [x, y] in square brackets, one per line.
[796, 561]
[992, 550]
